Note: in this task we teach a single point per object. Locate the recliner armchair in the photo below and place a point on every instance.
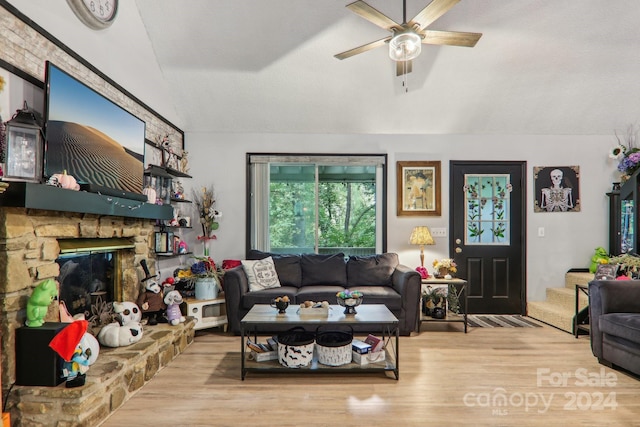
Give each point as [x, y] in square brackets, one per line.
[614, 318]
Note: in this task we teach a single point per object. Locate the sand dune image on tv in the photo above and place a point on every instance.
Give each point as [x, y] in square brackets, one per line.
[90, 156]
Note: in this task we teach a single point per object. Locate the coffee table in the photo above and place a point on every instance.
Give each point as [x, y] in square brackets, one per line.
[264, 315]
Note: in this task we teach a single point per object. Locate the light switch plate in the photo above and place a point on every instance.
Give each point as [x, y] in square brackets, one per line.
[439, 232]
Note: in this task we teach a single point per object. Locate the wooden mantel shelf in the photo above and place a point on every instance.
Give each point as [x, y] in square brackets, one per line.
[47, 197]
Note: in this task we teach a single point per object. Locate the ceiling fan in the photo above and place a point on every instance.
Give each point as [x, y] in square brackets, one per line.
[405, 42]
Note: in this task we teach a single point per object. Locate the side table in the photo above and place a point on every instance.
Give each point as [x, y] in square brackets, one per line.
[207, 312]
[581, 317]
[461, 291]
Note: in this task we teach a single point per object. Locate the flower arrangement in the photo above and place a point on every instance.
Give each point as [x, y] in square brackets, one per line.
[627, 154]
[202, 267]
[209, 216]
[445, 263]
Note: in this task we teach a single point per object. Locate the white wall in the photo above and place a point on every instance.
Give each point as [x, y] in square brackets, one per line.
[570, 237]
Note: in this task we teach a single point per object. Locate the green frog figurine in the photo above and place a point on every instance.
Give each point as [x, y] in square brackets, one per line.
[38, 303]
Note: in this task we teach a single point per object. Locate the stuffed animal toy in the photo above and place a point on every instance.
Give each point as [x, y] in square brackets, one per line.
[150, 300]
[78, 349]
[127, 312]
[600, 257]
[116, 335]
[173, 299]
[39, 302]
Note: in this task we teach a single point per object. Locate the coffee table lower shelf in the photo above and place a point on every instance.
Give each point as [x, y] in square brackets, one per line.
[374, 314]
[273, 366]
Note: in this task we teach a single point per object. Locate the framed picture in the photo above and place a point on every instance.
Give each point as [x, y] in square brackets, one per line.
[418, 188]
[556, 188]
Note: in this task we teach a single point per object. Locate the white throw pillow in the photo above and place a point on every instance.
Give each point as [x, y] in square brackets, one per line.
[261, 274]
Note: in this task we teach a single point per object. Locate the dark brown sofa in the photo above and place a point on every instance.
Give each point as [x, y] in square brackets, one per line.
[381, 278]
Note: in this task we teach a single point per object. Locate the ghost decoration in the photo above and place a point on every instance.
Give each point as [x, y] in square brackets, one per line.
[127, 311]
[116, 335]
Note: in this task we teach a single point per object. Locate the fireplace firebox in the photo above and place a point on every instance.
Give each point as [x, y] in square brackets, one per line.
[90, 271]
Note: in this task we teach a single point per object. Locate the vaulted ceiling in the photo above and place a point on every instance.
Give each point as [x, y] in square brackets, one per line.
[541, 67]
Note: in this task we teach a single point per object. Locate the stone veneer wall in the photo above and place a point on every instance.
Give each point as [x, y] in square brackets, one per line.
[116, 375]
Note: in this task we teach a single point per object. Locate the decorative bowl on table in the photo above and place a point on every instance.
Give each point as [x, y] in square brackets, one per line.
[349, 300]
[281, 303]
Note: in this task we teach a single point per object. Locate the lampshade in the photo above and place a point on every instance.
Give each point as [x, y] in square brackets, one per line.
[421, 236]
[405, 46]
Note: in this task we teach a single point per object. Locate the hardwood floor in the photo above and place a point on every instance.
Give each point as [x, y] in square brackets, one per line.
[446, 378]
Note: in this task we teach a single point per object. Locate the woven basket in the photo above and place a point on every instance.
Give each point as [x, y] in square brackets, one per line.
[334, 347]
[295, 347]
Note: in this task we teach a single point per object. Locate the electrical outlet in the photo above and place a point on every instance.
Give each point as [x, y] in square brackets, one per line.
[439, 232]
[540, 231]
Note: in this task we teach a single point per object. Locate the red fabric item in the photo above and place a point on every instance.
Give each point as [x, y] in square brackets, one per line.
[623, 278]
[66, 341]
[230, 263]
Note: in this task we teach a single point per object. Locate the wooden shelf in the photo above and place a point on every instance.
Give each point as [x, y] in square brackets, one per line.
[171, 254]
[47, 197]
[165, 171]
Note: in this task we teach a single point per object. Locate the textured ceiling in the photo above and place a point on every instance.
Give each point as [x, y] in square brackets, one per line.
[541, 67]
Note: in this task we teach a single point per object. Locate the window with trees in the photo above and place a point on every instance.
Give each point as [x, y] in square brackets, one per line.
[323, 204]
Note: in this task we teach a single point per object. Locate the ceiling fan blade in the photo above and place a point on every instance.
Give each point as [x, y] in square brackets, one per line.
[363, 48]
[431, 12]
[404, 67]
[451, 38]
[372, 15]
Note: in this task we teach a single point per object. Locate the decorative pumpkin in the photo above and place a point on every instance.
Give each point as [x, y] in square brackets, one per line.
[64, 181]
[150, 193]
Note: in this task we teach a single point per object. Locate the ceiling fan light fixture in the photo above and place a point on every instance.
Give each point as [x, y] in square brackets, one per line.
[405, 46]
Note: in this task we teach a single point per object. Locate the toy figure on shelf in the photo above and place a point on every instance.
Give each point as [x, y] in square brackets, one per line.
[150, 300]
[78, 349]
[173, 299]
[118, 334]
[127, 311]
[38, 303]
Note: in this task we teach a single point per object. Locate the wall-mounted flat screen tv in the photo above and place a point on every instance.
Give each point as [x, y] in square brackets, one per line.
[93, 139]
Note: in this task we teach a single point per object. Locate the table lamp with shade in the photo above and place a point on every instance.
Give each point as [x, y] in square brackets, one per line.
[421, 236]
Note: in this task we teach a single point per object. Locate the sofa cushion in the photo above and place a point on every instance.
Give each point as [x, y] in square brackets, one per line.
[287, 266]
[318, 293]
[623, 325]
[323, 269]
[380, 295]
[372, 270]
[261, 274]
[265, 296]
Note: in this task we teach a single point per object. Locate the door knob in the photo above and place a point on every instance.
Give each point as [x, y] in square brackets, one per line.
[458, 241]
[458, 250]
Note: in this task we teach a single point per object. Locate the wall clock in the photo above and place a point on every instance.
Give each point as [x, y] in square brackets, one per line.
[95, 14]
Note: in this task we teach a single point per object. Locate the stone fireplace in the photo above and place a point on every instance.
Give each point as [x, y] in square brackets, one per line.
[31, 243]
[30, 247]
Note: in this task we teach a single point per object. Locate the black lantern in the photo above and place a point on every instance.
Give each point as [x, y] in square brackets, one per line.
[24, 146]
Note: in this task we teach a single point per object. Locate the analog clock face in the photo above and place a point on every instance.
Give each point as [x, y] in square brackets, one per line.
[96, 14]
[104, 10]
